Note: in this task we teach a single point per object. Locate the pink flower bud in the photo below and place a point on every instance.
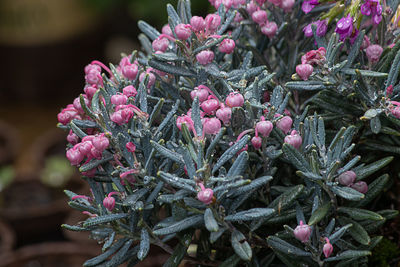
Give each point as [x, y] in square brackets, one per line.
[256, 141]
[198, 23]
[200, 92]
[264, 127]
[211, 125]
[67, 115]
[224, 114]
[366, 42]
[287, 5]
[95, 153]
[304, 71]
[93, 77]
[227, 46]
[213, 21]
[130, 71]
[74, 156]
[100, 142]
[84, 147]
[210, 105]
[119, 99]
[160, 44]
[183, 31]
[237, 3]
[374, 52]
[90, 91]
[129, 91]
[360, 186]
[328, 248]
[302, 232]
[109, 203]
[72, 138]
[347, 178]
[77, 103]
[260, 17]
[117, 117]
[152, 78]
[269, 29]
[131, 147]
[205, 195]
[251, 8]
[238, 18]
[227, 3]
[91, 67]
[166, 29]
[294, 139]
[184, 119]
[234, 99]
[205, 57]
[396, 112]
[285, 124]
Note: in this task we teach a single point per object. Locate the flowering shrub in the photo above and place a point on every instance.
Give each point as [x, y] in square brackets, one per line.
[256, 135]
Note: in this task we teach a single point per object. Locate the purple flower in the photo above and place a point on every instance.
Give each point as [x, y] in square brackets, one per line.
[372, 8]
[322, 27]
[344, 27]
[308, 5]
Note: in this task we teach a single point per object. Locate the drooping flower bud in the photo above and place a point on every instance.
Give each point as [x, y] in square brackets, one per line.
[285, 124]
[74, 156]
[119, 99]
[205, 57]
[205, 195]
[347, 178]
[183, 31]
[269, 29]
[130, 71]
[166, 29]
[227, 46]
[197, 23]
[234, 99]
[287, 5]
[152, 77]
[304, 71]
[72, 138]
[294, 139]
[160, 44]
[210, 105]
[360, 186]
[328, 248]
[211, 125]
[129, 91]
[213, 21]
[302, 232]
[256, 141]
[201, 92]
[251, 8]
[374, 52]
[344, 27]
[260, 17]
[224, 114]
[131, 147]
[109, 201]
[100, 142]
[264, 127]
[184, 119]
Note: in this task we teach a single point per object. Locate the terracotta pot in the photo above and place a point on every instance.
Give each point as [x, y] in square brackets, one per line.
[7, 238]
[60, 254]
[9, 143]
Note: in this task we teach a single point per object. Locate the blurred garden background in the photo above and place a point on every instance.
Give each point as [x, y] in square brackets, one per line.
[44, 46]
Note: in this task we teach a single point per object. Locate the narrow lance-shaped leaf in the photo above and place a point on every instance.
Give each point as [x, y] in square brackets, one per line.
[144, 244]
[285, 247]
[210, 222]
[240, 246]
[251, 214]
[179, 226]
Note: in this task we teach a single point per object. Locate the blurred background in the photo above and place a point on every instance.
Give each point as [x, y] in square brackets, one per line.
[44, 46]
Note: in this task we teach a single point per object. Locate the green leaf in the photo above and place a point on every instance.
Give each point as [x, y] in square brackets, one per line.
[240, 246]
[176, 181]
[179, 251]
[366, 73]
[192, 221]
[285, 247]
[167, 118]
[156, 110]
[94, 163]
[339, 233]
[167, 153]
[119, 257]
[319, 213]
[309, 175]
[214, 142]
[394, 70]
[171, 69]
[355, 48]
[356, 231]
[360, 214]
[231, 152]
[74, 228]
[102, 257]
[144, 244]
[296, 158]
[373, 167]
[251, 214]
[196, 118]
[375, 125]
[210, 222]
[287, 198]
[151, 32]
[306, 85]
[347, 192]
[239, 165]
[104, 219]
[255, 184]
[349, 254]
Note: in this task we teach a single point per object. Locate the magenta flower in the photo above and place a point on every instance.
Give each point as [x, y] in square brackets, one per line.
[309, 5]
[372, 8]
[344, 27]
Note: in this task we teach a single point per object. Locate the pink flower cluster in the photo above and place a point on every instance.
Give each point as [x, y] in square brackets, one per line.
[259, 16]
[91, 146]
